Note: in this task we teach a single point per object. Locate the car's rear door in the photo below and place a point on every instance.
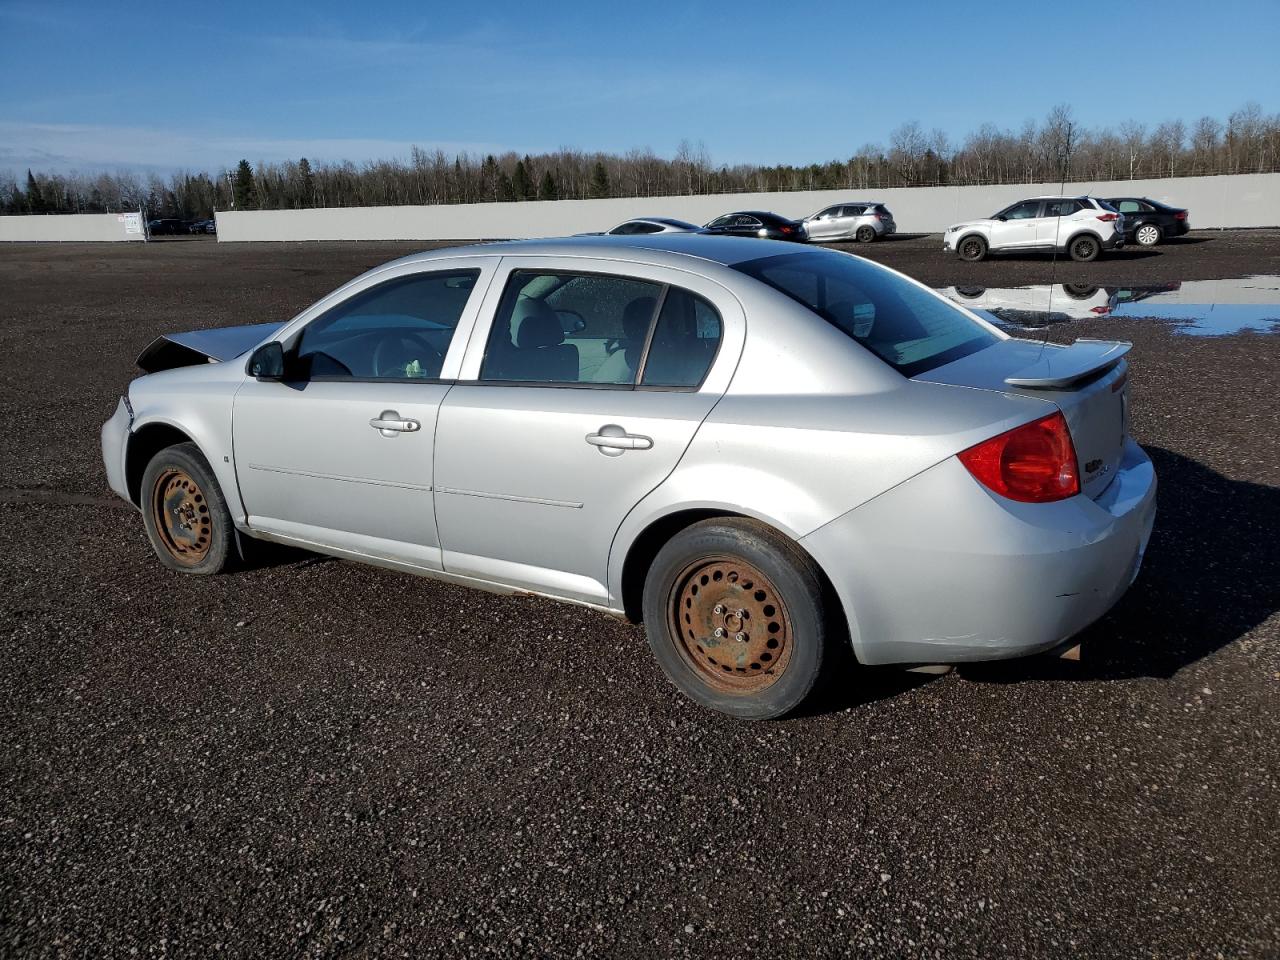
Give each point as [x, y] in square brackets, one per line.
[547, 441]
[1057, 222]
[340, 453]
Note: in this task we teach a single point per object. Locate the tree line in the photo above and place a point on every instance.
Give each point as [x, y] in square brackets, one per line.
[1053, 149]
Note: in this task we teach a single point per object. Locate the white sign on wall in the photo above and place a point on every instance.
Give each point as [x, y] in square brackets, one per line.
[132, 222]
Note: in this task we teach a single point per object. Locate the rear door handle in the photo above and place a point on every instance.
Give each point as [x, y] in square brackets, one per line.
[389, 423]
[613, 440]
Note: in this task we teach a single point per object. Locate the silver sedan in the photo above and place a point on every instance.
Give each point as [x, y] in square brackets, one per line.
[761, 452]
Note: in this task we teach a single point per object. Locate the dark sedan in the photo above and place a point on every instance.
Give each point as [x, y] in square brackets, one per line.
[758, 223]
[1147, 221]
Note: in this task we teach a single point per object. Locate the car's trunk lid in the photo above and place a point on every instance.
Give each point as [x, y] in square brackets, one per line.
[1086, 380]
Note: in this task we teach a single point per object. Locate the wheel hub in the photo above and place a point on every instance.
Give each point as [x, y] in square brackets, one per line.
[182, 517]
[732, 625]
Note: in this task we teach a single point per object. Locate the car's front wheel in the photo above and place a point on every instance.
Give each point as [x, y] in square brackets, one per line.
[736, 617]
[972, 248]
[1084, 249]
[185, 514]
[1147, 235]
[865, 234]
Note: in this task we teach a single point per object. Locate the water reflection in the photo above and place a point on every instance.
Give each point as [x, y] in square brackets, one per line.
[1196, 307]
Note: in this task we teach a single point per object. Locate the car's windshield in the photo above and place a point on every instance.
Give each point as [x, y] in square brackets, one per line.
[904, 325]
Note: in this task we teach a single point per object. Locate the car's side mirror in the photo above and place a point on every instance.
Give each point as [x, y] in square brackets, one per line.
[1000, 216]
[267, 362]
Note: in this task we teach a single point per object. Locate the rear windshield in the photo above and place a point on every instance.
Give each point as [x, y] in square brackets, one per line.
[905, 326]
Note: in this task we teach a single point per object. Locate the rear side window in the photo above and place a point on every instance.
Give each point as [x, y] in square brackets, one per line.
[398, 330]
[684, 341]
[1061, 208]
[1132, 206]
[905, 326]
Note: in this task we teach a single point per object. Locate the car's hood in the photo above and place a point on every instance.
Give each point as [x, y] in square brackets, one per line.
[982, 222]
[203, 346]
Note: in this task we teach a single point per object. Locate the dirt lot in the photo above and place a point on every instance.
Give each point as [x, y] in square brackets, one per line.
[320, 759]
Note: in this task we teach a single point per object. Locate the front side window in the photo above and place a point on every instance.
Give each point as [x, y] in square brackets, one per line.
[398, 330]
[907, 327]
[722, 221]
[1023, 211]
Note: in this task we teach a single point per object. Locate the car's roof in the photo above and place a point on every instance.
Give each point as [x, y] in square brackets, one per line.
[645, 248]
[1058, 196]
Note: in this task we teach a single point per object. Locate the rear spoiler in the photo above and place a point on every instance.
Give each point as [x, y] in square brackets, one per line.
[1062, 366]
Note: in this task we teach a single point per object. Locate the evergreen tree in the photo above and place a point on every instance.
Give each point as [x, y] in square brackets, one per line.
[599, 181]
[35, 199]
[521, 183]
[244, 189]
[506, 190]
[307, 183]
[548, 189]
[489, 178]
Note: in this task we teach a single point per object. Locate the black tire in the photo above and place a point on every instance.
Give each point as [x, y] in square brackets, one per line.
[763, 592]
[972, 248]
[1148, 234]
[865, 234]
[1084, 248]
[185, 513]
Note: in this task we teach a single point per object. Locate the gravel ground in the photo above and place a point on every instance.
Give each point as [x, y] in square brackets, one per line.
[284, 762]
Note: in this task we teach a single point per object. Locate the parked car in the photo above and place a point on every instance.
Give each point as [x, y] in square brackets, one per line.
[167, 227]
[1082, 227]
[204, 226]
[757, 223]
[644, 225]
[1147, 221]
[863, 221]
[770, 451]
[1037, 306]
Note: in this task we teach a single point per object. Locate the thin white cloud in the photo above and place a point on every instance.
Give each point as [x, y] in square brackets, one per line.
[64, 146]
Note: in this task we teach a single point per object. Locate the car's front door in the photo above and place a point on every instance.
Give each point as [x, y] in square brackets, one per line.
[583, 396]
[340, 453]
[824, 224]
[1016, 226]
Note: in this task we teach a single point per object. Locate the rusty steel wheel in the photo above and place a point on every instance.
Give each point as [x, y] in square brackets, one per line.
[185, 514]
[732, 624]
[181, 514]
[735, 615]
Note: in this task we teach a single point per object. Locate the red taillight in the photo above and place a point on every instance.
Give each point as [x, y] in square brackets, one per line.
[1108, 217]
[1034, 463]
[1180, 215]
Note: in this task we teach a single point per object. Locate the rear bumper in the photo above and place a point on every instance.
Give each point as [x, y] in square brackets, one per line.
[940, 570]
[115, 441]
[1114, 242]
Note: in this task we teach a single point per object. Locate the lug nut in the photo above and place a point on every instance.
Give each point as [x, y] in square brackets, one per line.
[742, 614]
[718, 632]
[740, 637]
[718, 609]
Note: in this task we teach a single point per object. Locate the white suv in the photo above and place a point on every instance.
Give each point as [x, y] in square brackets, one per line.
[1081, 226]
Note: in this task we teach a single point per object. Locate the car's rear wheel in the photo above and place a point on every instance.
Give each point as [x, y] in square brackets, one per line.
[1147, 235]
[185, 513]
[1084, 249]
[865, 234]
[972, 249]
[735, 615]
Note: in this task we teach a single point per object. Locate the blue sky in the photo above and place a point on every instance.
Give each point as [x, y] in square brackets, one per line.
[187, 85]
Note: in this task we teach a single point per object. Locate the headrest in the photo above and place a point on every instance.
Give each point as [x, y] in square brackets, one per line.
[636, 317]
[534, 324]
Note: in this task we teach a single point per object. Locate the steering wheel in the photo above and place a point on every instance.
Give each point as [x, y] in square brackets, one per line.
[393, 355]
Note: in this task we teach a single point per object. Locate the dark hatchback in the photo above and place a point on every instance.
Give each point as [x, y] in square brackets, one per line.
[757, 223]
[1147, 221]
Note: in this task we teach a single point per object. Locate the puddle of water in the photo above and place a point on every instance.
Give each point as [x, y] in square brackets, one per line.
[1206, 308]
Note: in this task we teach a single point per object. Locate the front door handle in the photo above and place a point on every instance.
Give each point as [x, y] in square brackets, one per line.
[389, 423]
[613, 440]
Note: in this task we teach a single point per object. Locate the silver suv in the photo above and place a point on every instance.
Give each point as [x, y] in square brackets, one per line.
[863, 221]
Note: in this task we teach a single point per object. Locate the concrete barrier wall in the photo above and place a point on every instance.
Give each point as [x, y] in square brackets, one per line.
[73, 227]
[1251, 200]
